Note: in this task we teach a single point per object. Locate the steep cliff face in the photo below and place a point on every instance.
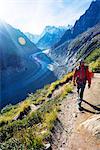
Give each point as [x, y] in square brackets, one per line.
[68, 54]
[83, 45]
[87, 20]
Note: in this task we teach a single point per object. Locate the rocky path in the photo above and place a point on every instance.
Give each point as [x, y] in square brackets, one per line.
[77, 130]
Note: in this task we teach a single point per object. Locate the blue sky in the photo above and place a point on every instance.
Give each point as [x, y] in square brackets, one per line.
[33, 15]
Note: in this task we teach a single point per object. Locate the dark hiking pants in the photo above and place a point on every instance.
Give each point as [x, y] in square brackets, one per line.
[80, 90]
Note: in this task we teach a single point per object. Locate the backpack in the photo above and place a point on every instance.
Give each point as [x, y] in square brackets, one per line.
[78, 80]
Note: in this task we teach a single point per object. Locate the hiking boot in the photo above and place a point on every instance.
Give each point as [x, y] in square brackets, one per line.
[79, 105]
[80, 108]
[79, 102]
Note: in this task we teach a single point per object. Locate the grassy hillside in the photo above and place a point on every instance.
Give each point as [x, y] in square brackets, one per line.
[94, 60]
[28, 124]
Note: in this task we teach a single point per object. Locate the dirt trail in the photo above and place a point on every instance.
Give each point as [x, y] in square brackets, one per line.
[67, 134]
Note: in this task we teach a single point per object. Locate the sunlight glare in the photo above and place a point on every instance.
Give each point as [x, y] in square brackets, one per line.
[21, 40]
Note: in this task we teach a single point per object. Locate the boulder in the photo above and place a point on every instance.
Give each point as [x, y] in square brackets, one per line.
[92, 125]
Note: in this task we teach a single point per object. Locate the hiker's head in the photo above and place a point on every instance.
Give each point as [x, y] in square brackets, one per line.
[81, 62]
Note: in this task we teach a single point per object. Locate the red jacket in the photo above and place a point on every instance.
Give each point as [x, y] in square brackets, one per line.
[82, 74]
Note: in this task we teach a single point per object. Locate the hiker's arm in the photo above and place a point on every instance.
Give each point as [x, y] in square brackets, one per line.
[88, 78]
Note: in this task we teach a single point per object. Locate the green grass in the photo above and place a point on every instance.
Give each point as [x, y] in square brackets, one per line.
[30, 130]
[94, 55]
[68, 88]
[9, 113]
[94, 60]
[33, 130]
[95, 66]
[58, 83]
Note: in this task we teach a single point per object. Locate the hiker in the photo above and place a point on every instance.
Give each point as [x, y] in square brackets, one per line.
[81, 75]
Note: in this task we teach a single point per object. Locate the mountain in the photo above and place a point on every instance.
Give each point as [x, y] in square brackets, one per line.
[47, 40]
[23, 67]
[90, 18]
[14, 46]
[32, 38]
[50, 36]
[83, 45]
[54, 29]
[67, 54]
[70, 41]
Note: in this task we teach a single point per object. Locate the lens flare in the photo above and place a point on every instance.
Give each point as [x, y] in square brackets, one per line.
[21, 40]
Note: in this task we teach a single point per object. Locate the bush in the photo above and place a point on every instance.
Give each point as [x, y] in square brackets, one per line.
[93, 56]
[95, 66]
[12, 144]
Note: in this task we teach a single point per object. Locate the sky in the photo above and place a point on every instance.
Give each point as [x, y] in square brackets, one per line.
[33, 15]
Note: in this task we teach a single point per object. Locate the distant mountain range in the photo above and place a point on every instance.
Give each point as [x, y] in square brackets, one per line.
[52, 36]
[49, 36]
[23, 67]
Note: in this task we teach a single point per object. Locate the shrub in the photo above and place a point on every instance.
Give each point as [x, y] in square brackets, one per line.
[93, 56]
[95, 66]
[12, 144]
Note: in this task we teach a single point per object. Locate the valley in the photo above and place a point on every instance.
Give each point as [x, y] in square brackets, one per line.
[24, 68]
[38, 96]
[33, 77]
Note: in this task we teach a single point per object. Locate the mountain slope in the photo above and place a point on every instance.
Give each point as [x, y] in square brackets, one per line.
[50, 36]
[68, 54]
[32, 38]
[83, 45]
[87, 20]
[22, 69]
[12, 46]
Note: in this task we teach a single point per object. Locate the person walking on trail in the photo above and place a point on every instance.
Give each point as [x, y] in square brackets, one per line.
[81, 75]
